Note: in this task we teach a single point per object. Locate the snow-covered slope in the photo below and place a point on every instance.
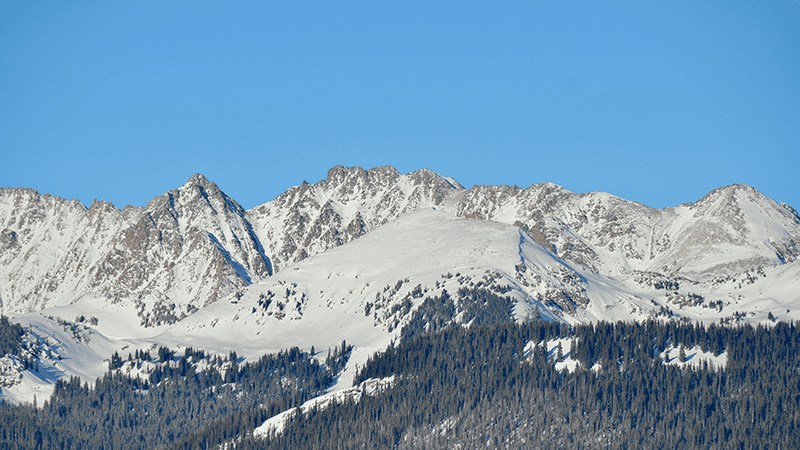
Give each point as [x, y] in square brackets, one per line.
[51, 247]
[729, 231]
[311, 218]
[356, 257]
[179, 253]
[366, 290]
[194, 245]
[376, 282]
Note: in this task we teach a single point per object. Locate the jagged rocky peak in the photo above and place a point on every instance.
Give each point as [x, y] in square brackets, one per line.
[339, 174]
[199, 192]
[187, 248]
[550, 189]
[200, 184]
[102, 207]
[425, 176]
[349, 180]
[50, 242]
[18, 201]
[729, 190]
[737, 199]
[723, 200]
[48, 217]
[617, 215]
[483, 202]
[198, 179]
[497, 201]
[311, 218]
[730, 230]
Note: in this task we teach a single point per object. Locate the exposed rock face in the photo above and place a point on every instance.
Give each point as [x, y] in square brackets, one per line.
[194, 245]
[51, 247]
[188, 247]
[730, 230]
[179, 253]
[311, 218]
[548, 212]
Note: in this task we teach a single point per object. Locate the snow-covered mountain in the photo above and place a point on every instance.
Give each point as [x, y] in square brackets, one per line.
[365, 254]
[311, 218]
[182, 251]
[368, 291]
[730, 230]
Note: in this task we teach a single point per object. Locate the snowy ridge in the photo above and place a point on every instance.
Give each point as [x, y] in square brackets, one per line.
[366, 291]
[311, 218]
[179, 253]
[354, 256]
[194, 245]
[50, 247]
[729, 231]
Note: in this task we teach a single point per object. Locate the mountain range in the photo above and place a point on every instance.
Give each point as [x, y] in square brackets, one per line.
[360, 255]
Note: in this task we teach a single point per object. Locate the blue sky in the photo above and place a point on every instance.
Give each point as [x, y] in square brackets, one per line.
[658, 102]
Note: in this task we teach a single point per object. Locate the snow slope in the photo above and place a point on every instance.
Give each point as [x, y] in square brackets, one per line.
[730, 230]
[353, 257]
[182, 251]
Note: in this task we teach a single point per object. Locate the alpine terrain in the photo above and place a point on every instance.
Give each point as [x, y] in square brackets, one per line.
[331, 276]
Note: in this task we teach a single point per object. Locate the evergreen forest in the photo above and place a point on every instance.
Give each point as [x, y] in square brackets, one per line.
[489, 385]
[476, 387]
[225, 399]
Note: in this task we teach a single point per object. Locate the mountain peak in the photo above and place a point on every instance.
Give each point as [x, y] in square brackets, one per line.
[426, 173]
[202, 187]
[339, 173]
[728, 191]
[197, 179]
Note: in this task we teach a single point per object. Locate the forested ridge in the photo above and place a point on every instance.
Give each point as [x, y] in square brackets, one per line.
[476, 387]
[487, 386]
[225, 399]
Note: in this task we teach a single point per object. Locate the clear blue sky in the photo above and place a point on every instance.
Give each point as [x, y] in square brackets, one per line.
[658, 102]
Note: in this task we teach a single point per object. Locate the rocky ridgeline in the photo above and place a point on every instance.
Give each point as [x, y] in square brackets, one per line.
[194, 245]
[311, 218]
[730, 230]
[180, 252]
